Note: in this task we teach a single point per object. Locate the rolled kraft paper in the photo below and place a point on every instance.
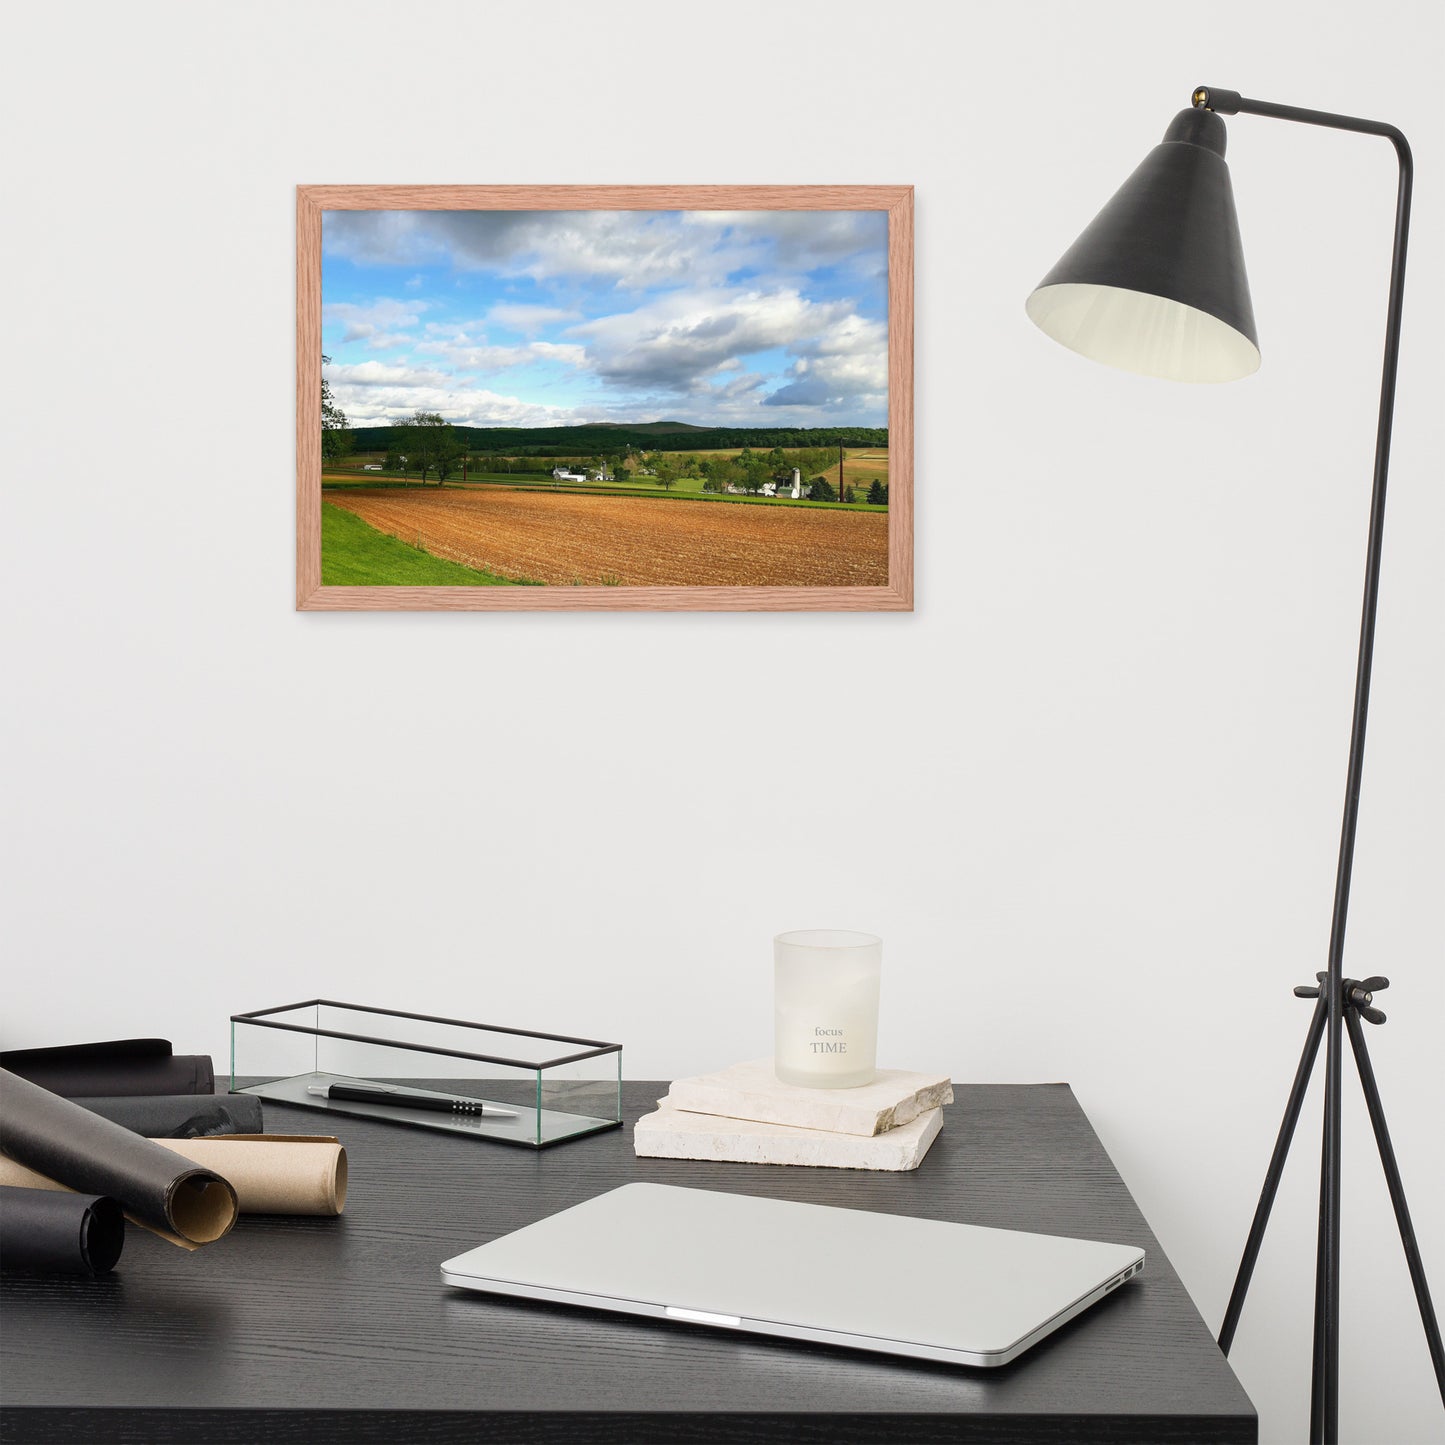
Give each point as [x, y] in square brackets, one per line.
[275, 1173]
[117, 1066]
[181, 1116]
[79, 1150]
[271, 1173]
[49, 1233]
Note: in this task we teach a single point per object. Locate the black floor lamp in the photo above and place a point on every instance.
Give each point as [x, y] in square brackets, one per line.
[1156, 285]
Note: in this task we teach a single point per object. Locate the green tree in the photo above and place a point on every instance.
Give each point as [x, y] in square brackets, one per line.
[755, 471]
[448, 454]
[717, 473]
[820, 489]
[666, 471]
[334, 439]
[431, 445]
[875, 493]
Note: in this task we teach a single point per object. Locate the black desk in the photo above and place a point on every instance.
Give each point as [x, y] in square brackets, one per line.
[308, 1330]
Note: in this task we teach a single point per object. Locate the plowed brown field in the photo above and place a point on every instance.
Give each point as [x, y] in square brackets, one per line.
[564, 538]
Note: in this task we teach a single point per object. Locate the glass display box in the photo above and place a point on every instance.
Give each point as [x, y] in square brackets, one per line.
[511, 1086]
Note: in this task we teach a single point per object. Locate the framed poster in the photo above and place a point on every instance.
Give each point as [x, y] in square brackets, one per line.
[604, 397]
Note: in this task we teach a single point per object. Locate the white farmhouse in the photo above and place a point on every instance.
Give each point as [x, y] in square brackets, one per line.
[562, 474]
[793, 489]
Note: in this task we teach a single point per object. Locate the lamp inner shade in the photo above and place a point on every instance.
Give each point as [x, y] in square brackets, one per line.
[1145, 334]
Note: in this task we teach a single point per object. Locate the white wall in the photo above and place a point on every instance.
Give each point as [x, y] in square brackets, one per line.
[1098, 833]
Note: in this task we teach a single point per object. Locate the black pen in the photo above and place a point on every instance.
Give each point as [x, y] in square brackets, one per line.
[409, 1099]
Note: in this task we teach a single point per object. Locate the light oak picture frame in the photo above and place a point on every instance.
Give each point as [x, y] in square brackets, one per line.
[314, 200]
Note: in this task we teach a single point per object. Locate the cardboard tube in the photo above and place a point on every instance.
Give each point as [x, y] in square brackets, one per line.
[14, 1175]
[271, 1173]
[274, 1173]
[65, 1146]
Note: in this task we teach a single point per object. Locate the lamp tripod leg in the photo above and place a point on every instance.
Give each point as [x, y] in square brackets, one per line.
[1319, 1389]
[1397, 1196]
[1273, 1175]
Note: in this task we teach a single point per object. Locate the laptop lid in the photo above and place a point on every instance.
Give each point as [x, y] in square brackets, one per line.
[924, 1288]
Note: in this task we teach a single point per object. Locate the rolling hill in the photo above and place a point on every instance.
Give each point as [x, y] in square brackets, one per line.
[658, 428]
[612, 438]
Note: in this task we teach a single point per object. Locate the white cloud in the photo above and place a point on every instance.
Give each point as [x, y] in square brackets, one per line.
[686, 341]
[377, 373]
[736, 387]
[385, 406]
[685, 335]
[461, 351]
[381, 237]
[841, 385]
[529, 320]
[632, 249]
[629, 249]
[378, 324]
[372, 393]
[803, 241]
[844, 367]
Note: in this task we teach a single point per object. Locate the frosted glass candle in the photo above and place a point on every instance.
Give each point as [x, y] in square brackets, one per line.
[825, 995]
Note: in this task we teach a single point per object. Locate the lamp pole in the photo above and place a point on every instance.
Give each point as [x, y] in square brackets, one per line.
[1156, 284]
[1340, 1001]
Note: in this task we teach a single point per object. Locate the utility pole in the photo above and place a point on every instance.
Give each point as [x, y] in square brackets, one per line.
[840, 471]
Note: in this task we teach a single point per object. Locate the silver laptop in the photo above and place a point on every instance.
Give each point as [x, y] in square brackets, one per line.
[918, 1287]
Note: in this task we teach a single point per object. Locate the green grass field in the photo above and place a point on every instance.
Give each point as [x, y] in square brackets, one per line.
[355, 555]
[862, 465]
[371, 482]
[682, 484]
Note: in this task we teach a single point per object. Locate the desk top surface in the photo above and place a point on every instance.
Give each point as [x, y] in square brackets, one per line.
[344, 1325]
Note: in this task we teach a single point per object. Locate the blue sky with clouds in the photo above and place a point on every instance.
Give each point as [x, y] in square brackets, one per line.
[549, 318]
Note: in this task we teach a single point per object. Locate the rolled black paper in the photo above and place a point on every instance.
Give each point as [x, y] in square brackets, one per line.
[181, 1116]
[63, 1142]
[47, 1232]
[117, 1066]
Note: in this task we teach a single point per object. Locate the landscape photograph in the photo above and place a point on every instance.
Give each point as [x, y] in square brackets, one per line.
[598, 398]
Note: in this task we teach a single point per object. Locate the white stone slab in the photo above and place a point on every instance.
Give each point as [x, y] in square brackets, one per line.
[753, 1091]
[673, 1133]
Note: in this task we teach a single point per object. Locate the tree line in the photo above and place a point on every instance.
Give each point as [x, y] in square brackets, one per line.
[621, 439]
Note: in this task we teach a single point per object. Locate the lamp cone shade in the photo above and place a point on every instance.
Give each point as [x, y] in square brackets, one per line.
[1156, 283]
